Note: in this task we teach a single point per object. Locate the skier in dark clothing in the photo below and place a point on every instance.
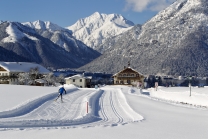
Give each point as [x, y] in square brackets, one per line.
[61, 91]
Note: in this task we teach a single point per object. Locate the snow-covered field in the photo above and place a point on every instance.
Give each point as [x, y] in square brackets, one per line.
[117, 112]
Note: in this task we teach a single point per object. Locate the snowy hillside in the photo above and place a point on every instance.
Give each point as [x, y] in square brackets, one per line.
[97, 28]
[44, 25]
[61, 36]
[15, 33]
[174, 42]
[29, 44]
[117, 112]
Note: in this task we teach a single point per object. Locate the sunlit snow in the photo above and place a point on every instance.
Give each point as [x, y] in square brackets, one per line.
[117, 112]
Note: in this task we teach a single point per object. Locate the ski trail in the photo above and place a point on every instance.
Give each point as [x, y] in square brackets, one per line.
[71, 112]
[30, 105]
[115, 110]
[107, 107]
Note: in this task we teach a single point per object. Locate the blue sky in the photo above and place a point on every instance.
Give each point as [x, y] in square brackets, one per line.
[66, 12]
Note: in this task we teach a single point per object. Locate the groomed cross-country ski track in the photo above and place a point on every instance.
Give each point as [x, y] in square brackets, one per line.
[80, 107]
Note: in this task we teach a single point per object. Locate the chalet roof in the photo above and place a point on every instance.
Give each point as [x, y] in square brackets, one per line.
[127, 69]
[78, 76]
[22, 67]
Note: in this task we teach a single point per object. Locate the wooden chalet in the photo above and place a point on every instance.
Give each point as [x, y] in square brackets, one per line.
[128, 76]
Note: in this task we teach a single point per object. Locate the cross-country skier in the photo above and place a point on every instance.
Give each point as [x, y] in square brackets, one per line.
[61, 91]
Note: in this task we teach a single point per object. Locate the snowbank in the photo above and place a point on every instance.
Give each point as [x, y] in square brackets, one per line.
[198, 98]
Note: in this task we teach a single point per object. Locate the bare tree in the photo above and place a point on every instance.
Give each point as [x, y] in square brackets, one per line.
[50, 78]
[24, 79]
[28, 78]
[61, 79]
[34, 73]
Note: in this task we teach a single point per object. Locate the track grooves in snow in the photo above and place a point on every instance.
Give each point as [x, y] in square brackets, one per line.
[107, 107]
[119, 118]
[103, 113]
[115, 110]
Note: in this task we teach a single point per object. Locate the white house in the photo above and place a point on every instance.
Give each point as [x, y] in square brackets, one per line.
[79, 80]
[9, 71]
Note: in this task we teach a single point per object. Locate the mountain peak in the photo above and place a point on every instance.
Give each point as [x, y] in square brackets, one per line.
[180, 7]
[96, 14]
[174, 42]
[44, 25]
[31, 43]
[96, 28]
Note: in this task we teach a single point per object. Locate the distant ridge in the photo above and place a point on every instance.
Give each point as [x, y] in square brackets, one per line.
[44, 43]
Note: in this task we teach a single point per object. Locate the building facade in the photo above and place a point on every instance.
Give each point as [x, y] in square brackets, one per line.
[128, 76]
[9, 71]
[79, 81]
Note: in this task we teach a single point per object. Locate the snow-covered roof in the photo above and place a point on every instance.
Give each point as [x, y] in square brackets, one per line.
[78, 76]
[22, 67]
[40, 81]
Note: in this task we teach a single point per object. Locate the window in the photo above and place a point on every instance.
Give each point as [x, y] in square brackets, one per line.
[80, 80]
[73, 80]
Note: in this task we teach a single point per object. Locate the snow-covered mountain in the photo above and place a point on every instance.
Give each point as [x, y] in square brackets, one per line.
[38, 45]
[44, 25]
[60, 36]
[173, 42]
[97, 28]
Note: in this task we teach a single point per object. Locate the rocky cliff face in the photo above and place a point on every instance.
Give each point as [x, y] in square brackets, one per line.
[174, 42]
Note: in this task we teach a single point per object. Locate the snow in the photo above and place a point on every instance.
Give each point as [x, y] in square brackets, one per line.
[22, 67]
[117, 112]
[31, 37]
[97, 28]
[44, 25]
[198, 97]
[15, 34]
[78, 76]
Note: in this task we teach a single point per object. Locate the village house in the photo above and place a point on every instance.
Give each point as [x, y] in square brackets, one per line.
[128, 76]
[79, 80]
[9, 71]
